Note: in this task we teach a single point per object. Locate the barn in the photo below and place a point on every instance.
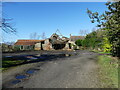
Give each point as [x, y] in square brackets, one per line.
[27, 44]
[55, 42]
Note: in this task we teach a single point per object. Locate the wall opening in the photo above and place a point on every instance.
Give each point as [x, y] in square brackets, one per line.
[42, 45]
[58, 46]
[21, 47]
[69, 45]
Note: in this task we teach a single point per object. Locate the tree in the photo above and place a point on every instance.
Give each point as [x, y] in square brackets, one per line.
[95, 39]
[83, 32]
[5, 23]
[78, 42]
[110, 22]
[7, 26]
[34, 36]
[106, 45]
[43, 36]
[85, 43]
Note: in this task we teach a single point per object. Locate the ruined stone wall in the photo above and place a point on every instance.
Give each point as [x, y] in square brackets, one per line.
[66, 46]
[47, 45]
[37, 46]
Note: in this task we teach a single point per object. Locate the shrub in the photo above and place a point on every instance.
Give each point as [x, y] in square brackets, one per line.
[78, 42]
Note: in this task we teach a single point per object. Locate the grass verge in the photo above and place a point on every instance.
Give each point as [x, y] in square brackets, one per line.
[100, 52]
[7, 63]
[108, 71]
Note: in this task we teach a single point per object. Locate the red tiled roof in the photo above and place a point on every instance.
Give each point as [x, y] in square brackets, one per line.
[74, 38]
[27, 42]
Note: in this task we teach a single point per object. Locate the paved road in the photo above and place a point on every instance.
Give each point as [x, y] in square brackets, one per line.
[80, 71]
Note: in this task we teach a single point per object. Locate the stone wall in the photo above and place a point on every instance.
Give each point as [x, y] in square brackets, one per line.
[38, 46]
[48, 46]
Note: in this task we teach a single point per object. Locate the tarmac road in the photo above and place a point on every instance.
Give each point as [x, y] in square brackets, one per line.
[80, 71]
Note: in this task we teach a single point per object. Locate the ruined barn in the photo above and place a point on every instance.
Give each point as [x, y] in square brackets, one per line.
[55, 42]
[59, 43]
[27, 44]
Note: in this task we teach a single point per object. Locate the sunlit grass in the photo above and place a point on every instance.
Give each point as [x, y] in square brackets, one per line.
[8, 63]
[108, 71]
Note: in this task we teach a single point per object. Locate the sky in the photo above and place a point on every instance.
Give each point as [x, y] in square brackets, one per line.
[47, 17]
[56, 0]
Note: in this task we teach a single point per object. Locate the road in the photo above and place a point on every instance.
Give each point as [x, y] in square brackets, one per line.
[79, 71]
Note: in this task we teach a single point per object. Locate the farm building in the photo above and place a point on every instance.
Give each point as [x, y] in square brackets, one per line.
[27, 44]
[55, 42]
[74, 38]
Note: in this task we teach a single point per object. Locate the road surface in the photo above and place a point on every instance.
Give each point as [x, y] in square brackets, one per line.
[79, 71]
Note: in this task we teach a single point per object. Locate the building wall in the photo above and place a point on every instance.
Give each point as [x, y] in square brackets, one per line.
[47, 45]
[24, 47]
[38, 46]
[66, 46]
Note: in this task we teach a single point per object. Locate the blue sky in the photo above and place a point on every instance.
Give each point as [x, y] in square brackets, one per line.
[39, 17]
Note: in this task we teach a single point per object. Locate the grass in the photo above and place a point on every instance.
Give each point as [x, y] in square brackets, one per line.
[101, 52]
[8, 63]
[14, 61]
[108, 71]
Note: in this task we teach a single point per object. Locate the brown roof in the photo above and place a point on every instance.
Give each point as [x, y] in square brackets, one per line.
[27, 42]
[74, 38]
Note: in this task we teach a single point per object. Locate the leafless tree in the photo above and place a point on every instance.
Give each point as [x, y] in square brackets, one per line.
[6, 23]
[83, 32]
[10, 43]
[43, 36]
[35, 36]
[6, 26]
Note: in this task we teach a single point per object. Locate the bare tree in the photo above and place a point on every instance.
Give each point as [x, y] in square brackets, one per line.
[34, 36]
[5, 23]
[43, 36]
[10, 43]
[7, 26]
[83, 32]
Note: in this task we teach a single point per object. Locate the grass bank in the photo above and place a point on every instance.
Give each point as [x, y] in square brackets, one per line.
[108, 71]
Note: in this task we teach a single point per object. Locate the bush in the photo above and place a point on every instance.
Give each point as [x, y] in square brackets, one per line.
[78, 42]
[85, 43]
[16, 48]
[106, 45]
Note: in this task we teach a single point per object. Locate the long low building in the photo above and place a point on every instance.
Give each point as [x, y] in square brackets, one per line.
[27, 44]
